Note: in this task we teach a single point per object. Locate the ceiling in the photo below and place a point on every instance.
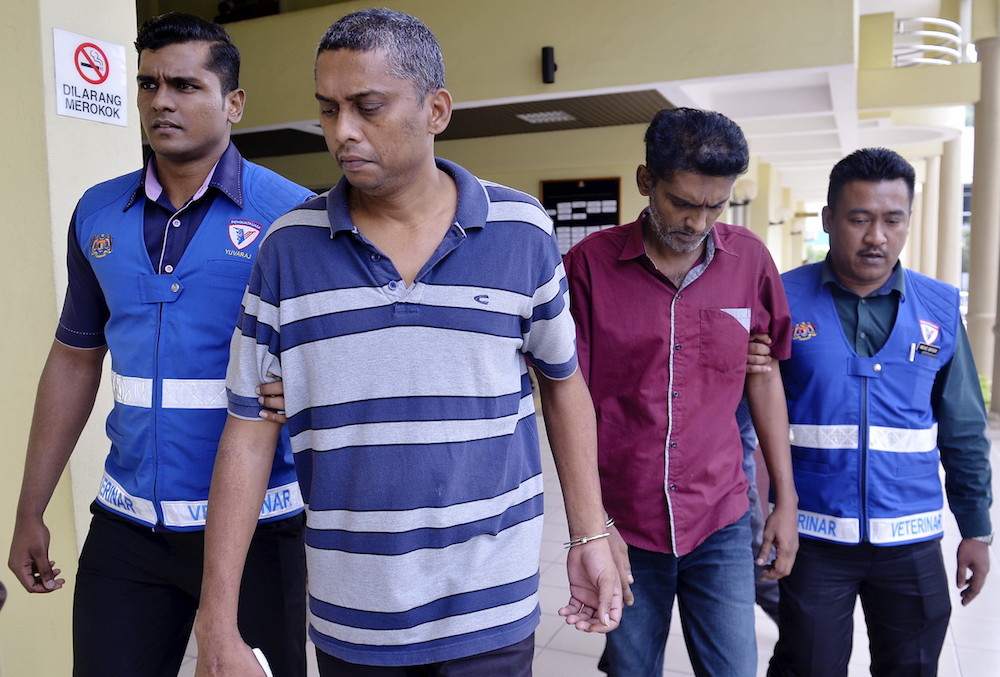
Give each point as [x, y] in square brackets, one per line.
[799, 121]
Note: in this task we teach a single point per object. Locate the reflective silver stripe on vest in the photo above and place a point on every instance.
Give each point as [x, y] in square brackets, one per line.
[112, 496]
[178, 393]
[823, 436]
[278, 501]
[193, 393]
[839, 529]
[902, 439]
[132, 391]
[921, 526]
[879, 437]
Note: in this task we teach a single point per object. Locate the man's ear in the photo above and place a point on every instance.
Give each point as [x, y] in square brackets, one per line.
[827, 219]
[439, 103]
[644, 180]
[234, 105]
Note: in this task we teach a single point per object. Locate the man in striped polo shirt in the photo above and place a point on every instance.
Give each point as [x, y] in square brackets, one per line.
[400, 310]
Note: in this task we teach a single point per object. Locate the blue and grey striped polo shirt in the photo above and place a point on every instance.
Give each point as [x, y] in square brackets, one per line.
[412, 419]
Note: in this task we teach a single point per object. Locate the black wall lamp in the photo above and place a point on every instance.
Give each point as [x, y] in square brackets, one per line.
[549, 65]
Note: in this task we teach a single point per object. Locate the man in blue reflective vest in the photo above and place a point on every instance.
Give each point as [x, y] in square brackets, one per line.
[882, 391]
[158, 261]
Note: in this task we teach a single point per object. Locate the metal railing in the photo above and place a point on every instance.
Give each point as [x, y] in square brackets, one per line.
[922, 40]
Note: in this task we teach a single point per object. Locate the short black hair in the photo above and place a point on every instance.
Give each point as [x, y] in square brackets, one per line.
[412, 52]
[696, 141]
[175, 28]
[869, 164]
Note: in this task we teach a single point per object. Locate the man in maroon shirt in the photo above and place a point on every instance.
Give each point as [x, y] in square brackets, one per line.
[664, 308]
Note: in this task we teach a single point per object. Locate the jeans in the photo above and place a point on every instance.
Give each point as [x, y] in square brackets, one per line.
[715, 595]
[767, 591]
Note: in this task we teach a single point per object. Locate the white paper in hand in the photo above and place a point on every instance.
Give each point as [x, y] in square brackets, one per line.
[263, 662]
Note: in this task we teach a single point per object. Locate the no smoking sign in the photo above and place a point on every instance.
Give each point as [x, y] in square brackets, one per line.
[91, 63]
[90, 78]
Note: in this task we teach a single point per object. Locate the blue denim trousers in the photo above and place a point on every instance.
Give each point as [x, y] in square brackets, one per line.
[715, 596]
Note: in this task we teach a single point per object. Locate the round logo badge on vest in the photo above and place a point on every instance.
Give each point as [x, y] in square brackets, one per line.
[100, 246]
[803, 331]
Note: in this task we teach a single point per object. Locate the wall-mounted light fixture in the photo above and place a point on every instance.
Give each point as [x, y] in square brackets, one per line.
[744, 192]
[783, 215]
[549, 65]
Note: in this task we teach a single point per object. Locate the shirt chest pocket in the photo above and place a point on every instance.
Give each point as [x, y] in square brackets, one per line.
[724, 336]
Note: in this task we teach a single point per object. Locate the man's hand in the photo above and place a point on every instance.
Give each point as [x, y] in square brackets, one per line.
[781, 533]
[29, 557]
[226, 656]
[272, 399]
[974, 557]
[619, 550]
[759, 354]
[595, 603]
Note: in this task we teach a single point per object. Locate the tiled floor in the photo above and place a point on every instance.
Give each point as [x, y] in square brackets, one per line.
[972, 648]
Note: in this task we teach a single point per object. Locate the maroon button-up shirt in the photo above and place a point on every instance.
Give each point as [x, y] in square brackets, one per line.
[666, 368]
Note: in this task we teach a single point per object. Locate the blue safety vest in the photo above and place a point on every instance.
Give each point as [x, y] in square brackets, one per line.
[864, 435]
[169, 335]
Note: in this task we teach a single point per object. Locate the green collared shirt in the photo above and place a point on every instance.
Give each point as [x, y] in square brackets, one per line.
[956, 398]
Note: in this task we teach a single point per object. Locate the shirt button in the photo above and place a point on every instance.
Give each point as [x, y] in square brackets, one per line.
[175, 223]
[375, 257]
[863, 334]
[175, 287]
[675, 394]
[168, 268]
[677, 346]
[392, 285]
[673, 445]
[672, 487]
[877, 368]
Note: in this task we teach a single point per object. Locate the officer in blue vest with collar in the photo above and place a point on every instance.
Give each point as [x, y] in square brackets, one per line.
[882, 391]
[158, 262]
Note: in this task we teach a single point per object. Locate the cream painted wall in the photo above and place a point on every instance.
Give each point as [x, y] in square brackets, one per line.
[520, 161]
[875, 40]
[492, 49]
[51, 160]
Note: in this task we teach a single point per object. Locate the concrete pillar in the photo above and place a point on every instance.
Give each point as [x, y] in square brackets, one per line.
[910, 256]
[51, 160]
[929, 225]
[984, 242]
[949, 245]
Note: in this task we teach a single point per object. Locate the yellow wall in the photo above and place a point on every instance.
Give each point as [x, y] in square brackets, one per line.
[519, 160]
[875, 40]
[50, 160]
[492, 49]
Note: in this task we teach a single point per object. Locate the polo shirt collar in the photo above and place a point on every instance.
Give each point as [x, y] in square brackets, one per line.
[471, 212]
[226, 177]
[895, 283]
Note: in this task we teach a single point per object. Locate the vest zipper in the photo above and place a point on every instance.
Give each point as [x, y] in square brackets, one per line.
[863, 441]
